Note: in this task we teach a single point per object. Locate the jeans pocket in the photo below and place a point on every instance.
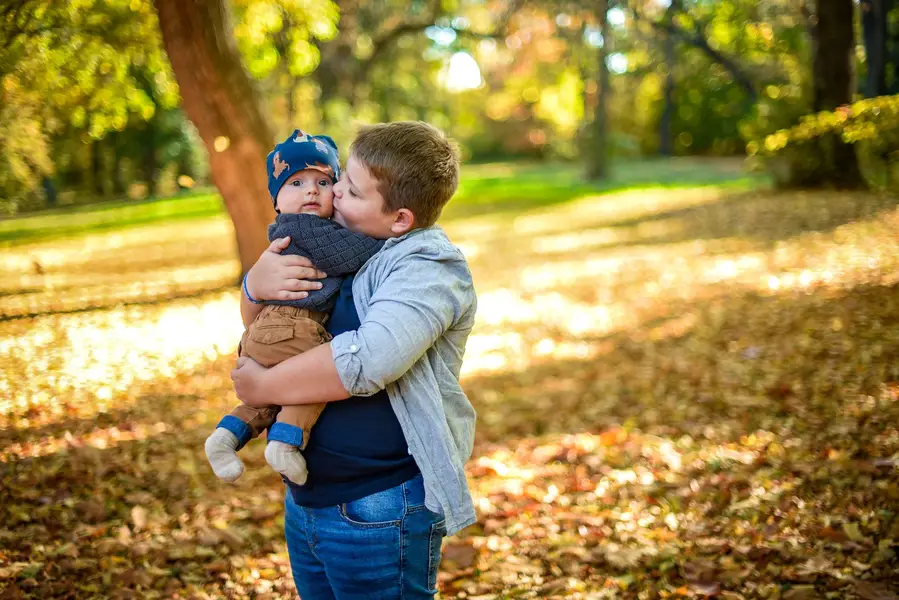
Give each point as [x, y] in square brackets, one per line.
[435, 542]
[381, 509]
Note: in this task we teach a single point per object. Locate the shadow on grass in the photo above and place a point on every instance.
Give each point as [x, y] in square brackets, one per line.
[766, 216]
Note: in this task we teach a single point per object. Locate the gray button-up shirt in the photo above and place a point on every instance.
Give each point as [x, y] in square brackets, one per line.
[416, 304]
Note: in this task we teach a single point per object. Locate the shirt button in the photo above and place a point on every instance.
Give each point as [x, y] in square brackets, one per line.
[354, 348]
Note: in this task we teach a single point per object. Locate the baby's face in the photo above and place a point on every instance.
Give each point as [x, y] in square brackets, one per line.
[307, 191]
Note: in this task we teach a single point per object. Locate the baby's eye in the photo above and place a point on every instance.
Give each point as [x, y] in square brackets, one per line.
[297, 182]
[324, 182]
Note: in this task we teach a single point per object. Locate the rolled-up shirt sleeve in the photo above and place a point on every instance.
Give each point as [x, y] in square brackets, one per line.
[417, 302]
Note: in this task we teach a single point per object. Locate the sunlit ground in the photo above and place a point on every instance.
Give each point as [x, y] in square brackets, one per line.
[682, 392]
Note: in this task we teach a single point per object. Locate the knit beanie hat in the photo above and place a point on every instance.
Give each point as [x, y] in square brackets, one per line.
[300, 151]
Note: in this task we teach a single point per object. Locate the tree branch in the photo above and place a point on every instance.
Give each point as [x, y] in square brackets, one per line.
[698, 41]
[388, 37]
[395, 32]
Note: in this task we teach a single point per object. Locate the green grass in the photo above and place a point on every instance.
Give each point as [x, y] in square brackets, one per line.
[513, 187]
[75, 220]
[496, 187]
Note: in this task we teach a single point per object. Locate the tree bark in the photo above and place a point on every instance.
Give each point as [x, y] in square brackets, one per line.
[833, 44]
[596, 152]
[222, 101]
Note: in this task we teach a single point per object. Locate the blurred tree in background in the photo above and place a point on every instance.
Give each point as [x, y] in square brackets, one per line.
[72, 73]
[90, 107]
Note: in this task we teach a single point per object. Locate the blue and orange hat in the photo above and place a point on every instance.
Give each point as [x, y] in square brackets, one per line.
[300, 151]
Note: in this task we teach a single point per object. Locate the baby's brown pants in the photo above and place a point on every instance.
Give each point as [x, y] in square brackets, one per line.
[278, 333]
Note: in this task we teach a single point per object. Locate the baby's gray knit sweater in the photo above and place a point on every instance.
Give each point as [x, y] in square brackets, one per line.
[333, 249]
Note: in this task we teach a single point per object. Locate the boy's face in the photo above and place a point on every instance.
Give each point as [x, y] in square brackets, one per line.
[307, 191]
[359, 206]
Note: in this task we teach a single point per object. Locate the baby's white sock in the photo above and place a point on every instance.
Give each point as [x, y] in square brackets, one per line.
[221, 450]
[287, 460]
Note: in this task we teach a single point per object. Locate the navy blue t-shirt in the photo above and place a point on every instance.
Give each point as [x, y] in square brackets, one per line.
[357, 447]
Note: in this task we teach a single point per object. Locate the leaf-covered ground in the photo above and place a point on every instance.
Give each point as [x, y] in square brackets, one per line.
[682, 392]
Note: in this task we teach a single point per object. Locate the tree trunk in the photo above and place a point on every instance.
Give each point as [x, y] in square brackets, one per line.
[223, 103]
[666, 139]
[874, 27]
[97, 168]
[151, 165]
[666, 135]
[596, 151]
[833, 44]
[118, 179]
[184, 167]
[891, 59]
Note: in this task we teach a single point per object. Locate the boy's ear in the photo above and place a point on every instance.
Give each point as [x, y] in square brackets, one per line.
[403, 222]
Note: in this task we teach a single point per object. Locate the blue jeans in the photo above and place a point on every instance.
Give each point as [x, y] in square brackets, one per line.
[385, 546]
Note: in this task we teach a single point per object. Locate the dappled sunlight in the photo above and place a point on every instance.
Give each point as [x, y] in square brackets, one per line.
[554, 494]
[102, 360]
[611, 208]
[669, 394]
[554, 327]
[548, 310]
[66, 293]
[607, 236]
[90, 271]
[158, 241]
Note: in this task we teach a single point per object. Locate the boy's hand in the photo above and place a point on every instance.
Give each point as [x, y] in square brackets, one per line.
[277, 277]
[248, 378]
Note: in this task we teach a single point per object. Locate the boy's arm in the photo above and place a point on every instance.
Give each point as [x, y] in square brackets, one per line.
[334, 249]
[417, 303]
[277, 277]
[308, 378]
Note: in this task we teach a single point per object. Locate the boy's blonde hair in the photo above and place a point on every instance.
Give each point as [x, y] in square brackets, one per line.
[416, 165]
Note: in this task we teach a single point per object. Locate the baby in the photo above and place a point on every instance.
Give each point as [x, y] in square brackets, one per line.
[302, 171]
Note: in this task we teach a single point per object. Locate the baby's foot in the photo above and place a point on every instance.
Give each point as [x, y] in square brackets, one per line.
[221, 450]
[287, 460]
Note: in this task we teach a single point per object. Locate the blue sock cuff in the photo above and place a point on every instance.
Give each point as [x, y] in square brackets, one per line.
[289, 434]
[238, 428]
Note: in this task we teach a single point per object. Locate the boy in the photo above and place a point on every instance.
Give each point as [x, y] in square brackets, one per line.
[301, 173]
[416, 305]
